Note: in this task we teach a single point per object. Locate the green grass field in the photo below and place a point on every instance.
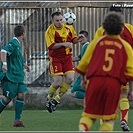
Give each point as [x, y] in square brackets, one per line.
[59, 120]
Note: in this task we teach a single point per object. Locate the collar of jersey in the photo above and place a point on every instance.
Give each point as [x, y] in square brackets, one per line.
[58, 28]
[16, 39]
[114, 36]
[85, 43]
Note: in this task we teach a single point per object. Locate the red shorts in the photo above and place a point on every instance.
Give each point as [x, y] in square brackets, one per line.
[102, 98]
[60, 66]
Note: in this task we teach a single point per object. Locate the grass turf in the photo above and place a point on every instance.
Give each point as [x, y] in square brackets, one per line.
[59, 120]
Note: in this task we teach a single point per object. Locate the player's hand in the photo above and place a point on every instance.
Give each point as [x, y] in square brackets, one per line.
[4, 68]
[80, 38]
[27, 67]
[130, 96]
[83, 82]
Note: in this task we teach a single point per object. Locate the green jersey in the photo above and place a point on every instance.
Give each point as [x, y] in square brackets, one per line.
[15, 61]
[83, 50]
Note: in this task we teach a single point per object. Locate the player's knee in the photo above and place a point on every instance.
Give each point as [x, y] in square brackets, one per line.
[21, 95]
[7, 100]
[69, 80]
[124, 93]
[57, 82]
[72, 94]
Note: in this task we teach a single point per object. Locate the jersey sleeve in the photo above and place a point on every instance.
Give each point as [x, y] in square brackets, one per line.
[9, 48]
[84, 48]
[49, 37]
[130, 28]
[99, 33]
[79, 56]
[74, 34]
[129, 64]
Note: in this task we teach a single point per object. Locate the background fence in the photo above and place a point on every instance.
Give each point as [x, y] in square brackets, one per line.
[36, 17]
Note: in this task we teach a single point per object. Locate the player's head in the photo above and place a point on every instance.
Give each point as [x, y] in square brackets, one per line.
[115, 8]
[19, 31]
[85, 33]
[57, 19]
[113, 23]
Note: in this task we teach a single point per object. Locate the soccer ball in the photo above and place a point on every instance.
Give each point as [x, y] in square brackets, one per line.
[69, 18]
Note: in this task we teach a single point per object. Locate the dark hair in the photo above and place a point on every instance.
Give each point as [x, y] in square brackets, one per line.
[115, 8]
[57, 13]
[84, 32]
[113, 23]
[19, 30]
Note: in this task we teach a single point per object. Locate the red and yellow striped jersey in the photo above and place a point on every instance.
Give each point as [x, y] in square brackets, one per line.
[54, 35]
[108, 56]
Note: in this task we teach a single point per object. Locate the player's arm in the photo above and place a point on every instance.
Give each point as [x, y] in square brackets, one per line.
[130, 28]
[129, 69]
[76, 58]
[79, 38]
[7, 50]
[50, 41]
[99, 33]
[59, 45]
[75, 38]
[27, 67]
[129, 64]
[3, 59]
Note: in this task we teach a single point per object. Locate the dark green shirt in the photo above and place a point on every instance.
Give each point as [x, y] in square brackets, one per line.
[83, 50]
[15, 61]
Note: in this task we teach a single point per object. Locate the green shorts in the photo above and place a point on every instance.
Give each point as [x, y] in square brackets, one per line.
[11, 90]
[77, 85]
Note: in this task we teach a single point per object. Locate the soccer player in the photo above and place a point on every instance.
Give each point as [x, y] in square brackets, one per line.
[77, 90]
[59, 39]
[127, 35]
[106, 65]
[13, 85]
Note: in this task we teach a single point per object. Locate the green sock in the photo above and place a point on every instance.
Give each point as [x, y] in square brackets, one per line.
[80, 94]
[18, 108]
[3, 104]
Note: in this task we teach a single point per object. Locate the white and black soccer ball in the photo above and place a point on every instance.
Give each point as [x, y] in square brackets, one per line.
[69, 18]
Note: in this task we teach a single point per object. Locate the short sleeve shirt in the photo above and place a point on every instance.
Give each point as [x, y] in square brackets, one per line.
[15, 61]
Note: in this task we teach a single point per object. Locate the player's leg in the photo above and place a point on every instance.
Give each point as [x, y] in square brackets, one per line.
[69, 77]
[68, 70]
[19, 103]
[124, 108]
[74, 87]
[3, 103]
[6, 93]
[55, 69]
[88, 119]
[77, 91]
[52, 102]
[80, 94]
[110, 110]
[86, 123]
[57, 80]
[107, 125]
